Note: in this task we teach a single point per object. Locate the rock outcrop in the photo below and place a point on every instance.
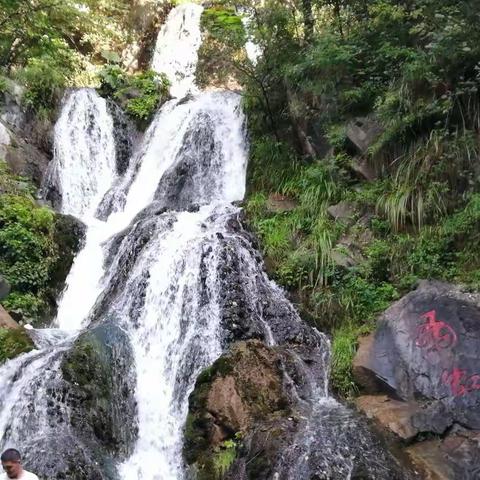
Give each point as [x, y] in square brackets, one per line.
[424, 357]
[237, 393]
[25, 140]
[91, 409]
[14, 340]
[426, 346]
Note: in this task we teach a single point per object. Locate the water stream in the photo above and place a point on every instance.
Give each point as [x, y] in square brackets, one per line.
[166, 260]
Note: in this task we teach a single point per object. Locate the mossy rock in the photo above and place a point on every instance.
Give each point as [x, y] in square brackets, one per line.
[239, 392]
[14, 342]
[99, 370]
[68, 235]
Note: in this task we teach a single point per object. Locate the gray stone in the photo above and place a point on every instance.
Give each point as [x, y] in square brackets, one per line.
[343, 211]
[363, 168]
[363, 131]
[427, 345]
[4, 287]
[277, 203]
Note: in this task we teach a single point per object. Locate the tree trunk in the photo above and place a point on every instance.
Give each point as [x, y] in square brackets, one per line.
[308, 20]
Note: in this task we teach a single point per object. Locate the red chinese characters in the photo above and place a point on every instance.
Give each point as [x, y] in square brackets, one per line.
[459, 382]
[435, 335]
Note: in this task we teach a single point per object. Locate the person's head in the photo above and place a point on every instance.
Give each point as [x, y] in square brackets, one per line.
[12, 463]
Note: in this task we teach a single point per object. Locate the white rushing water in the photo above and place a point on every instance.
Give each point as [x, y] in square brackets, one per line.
[83, 167]
[176, 51]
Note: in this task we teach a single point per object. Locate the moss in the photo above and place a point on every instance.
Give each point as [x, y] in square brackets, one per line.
[13, 342]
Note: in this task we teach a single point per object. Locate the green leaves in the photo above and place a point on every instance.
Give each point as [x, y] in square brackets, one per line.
[140, 94]
[27, 250]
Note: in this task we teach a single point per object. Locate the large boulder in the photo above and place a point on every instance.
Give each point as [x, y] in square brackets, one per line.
[427, 347]
[77, 419]
[363, 131]
[239, 391]
[101, 382]
[254, 416]
[455, 457]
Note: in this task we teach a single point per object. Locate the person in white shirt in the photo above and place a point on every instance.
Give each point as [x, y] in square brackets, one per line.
[12, 465]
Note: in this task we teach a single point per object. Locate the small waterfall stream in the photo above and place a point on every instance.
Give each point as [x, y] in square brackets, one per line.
[167, 262]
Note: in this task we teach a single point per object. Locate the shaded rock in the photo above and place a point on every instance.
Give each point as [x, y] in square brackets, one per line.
[69, 236]
[456, 457]
[101, 383]
[361, 372]
[4, 287]
[427, 346]
[277, 203]
[6, 321]
[26, 160]
[363, 169]
[343, 211]
[363, 131]
[393, 415]
[126, 136]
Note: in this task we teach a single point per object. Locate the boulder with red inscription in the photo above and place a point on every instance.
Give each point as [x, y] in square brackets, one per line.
[427, 348]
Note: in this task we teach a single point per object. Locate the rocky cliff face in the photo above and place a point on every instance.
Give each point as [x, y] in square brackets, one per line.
[26, 141]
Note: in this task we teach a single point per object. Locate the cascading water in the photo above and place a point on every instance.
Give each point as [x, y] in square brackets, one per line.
[176, 51]
[168, 279]
[83, 167]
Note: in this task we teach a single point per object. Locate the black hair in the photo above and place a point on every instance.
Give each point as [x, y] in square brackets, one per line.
[11, 455]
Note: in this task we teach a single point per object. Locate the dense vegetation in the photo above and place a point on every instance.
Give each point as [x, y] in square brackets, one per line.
[46, 46]
[410, 71]
[28, 251]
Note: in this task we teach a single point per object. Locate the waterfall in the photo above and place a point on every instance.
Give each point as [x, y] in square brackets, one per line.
[176, 51]
[167, 279]
[83, 167]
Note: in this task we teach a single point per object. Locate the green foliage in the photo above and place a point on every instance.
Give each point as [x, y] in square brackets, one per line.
[140, 94]
[27, 249]
[45, 76]
[223, 22]
[47, 45]
[223, 457]
[413, 68]
[12, 343]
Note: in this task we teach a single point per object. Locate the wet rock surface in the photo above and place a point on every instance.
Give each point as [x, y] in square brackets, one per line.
[69, 236]
[126, 136]
[90, 409]
[238, 391]
[101, 383]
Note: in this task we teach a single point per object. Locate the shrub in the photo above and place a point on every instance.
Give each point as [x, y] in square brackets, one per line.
[27, 251]
[139, 94]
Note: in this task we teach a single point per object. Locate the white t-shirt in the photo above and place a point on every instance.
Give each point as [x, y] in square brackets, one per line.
[25, 476]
